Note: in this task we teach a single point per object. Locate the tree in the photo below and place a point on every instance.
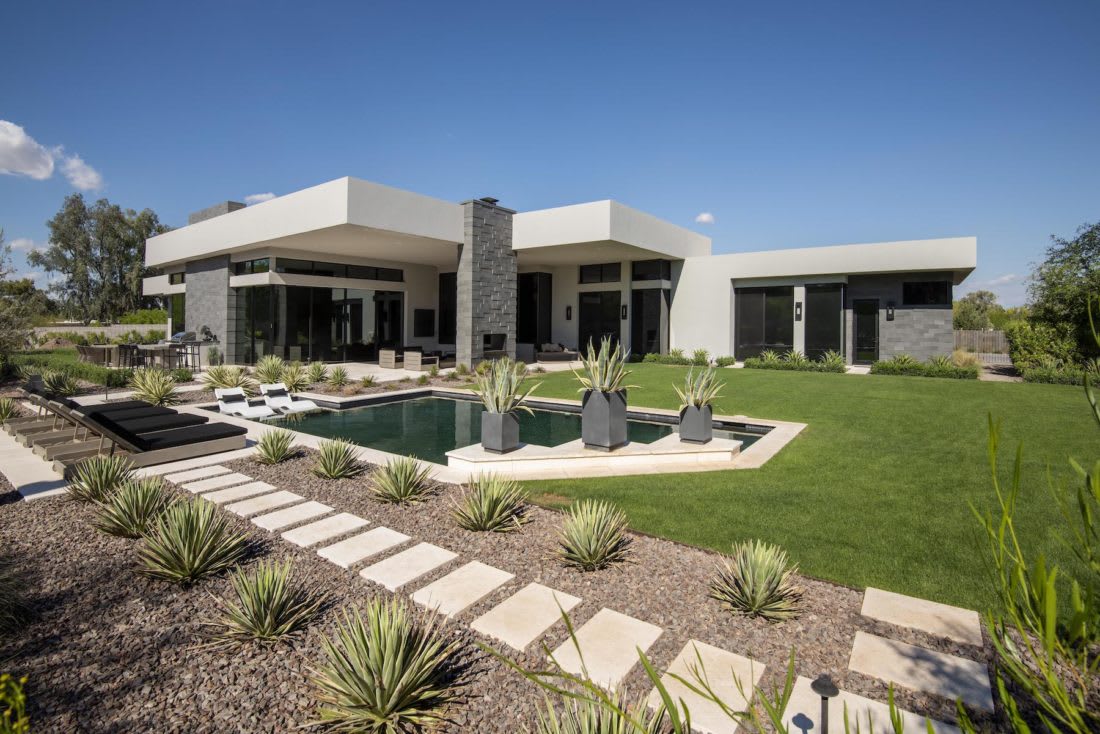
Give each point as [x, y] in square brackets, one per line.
[100, 253]
[36, 300]
[976, 310]
[1060, 286]
[14, 320]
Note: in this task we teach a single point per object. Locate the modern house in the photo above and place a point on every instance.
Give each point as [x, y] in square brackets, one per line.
[337, 271]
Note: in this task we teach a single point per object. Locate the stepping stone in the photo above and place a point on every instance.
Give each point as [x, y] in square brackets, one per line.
[291, 516]
[523, 617]
[461, 588]
[955, 623]
[225, 480]
[803, 713]
[347, 553]
[722, 670]
[922, 670]
[263, 503]
[192, 474]
[322, 530]
[240, 492]
[398, 570]
[609, 644]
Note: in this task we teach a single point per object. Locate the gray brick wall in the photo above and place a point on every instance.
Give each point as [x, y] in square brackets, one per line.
[208, 296]
[919, 331]
[486, 280]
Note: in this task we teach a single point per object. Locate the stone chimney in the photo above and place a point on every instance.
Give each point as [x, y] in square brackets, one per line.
[214, 211]
[486, 283]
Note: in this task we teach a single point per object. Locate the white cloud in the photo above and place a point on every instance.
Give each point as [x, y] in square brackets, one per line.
[259, 198]
[80, 174]
[704, 218]
[1004, 279]
[25, 243]
[22, 155]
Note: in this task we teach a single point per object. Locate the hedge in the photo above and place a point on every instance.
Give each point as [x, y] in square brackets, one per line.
[1055, 376]
[924, 369]
[145, 316]
[67, 361]
[756, 363]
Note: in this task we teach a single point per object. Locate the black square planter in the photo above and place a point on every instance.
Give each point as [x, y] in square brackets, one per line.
[603, 420]
[499, 432]
[696, 424]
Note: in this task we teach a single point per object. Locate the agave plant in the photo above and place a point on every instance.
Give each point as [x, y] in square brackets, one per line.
[366, 381]
[833, 360]
[492, 503]
[386, 670]
[8, 409]
[317, 372]
[133, 509]
[757, 580]
[269, 369]
[500, 387]
[338, 377]
[591, 716]
[274, 446]
[604, 370]
[59, 384]
[700, 389]
[795, 357]
[268, 606]
[225, 377]
[401, 480]
[593, 536]
[190, 541]
[337, 459]
[904, 360]
[941, 361]
[295, 377]
[154, 386]
[770, 356]
[95, 478]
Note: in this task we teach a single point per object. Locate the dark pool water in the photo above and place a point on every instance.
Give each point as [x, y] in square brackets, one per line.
[429, 427]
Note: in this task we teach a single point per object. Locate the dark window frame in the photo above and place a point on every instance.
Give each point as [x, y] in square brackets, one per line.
[926, 293]
[663, 270]
[602, 272]
[249, 267]
[177, 278]
[295, 266]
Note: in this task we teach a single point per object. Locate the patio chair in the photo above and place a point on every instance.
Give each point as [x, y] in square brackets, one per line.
[389, 358]
[233, 401]
[418, 361]
[279, 399]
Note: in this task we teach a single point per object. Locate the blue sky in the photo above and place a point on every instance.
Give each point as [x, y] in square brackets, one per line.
[791, 124]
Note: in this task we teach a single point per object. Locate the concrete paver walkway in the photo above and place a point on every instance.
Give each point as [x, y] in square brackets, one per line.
[291, 516]
[408, 565]
[523, 617]
[723, 671]
[462, 588]
[347, 553]
[955, 623]
[240, 492]
[322, 530]
[803, 713]
[607, 647]
[264, 503]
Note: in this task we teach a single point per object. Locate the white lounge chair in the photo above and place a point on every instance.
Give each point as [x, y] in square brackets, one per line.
[279, 399]
[233, 401]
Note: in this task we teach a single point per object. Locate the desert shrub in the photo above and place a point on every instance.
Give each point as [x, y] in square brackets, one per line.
[317, 372]
[225, 377]
[274, 446]
[1028, 343]
[14, 608]
[295, 377]
[434, 371]
[674, 356]
[269, 369]
[13, 706]
[593, 536]
[1054, 375]
[366, 381]
[725, 361]
[58, 384]
[386, 670]
[604, 369]
[492, 503]
[796, 358]
[963, 358]
[337, 459]
[461, 369]
[700, 358]
[182, 374]
[905, 365]
[132, 509]
[154, 386]
[401, 480]
[96, 477]
[757, 580]
[700, 389]
[268, 606]
[214, 357]
[422, 380]
[190, 541]
[8, 409]
[831, 361]
[144, 316]
[338, 377]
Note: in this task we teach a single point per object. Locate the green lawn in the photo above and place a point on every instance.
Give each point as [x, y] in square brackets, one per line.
[876, 490]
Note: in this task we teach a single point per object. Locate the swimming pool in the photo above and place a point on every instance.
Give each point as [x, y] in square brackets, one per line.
[429, 427]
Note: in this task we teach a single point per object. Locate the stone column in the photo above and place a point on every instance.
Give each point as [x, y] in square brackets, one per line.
[209, 300]
[486, 280]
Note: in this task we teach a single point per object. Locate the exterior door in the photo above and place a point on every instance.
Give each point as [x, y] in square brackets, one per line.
[598, 317]
[865, 314]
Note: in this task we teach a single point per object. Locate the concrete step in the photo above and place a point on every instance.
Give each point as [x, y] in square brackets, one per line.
[218, 482]
[240, 492]
[192, 475]
[942, 620]
[264, 503]
[804, 713]
[723, 671]
[291, 516]
[322, 530]
[347, 553]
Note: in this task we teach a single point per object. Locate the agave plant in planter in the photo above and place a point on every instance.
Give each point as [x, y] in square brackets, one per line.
[700, 391]
[603, 411]
[500, 388]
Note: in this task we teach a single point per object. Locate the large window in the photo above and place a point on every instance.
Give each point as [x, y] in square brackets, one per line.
[927, 293]
[764, 320]
[651, 270]
[601, 273]
[533, 308]
[247, 267]
[448, 308]
[176, 278]
[337, 270]
[598, 317]
[649, 321]
[824, 319]
[177, 311]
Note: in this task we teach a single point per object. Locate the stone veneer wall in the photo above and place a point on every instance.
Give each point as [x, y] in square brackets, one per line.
[486, 280]
[921, 332]
[208, 297]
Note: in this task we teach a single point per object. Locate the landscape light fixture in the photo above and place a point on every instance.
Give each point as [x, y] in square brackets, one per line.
[823, 686]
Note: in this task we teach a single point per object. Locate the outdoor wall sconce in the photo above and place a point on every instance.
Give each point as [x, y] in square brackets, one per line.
[568, 313]
[889, 311]
[624, 312]
[798, 310]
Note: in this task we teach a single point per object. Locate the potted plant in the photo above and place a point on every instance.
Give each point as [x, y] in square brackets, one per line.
[603, 407]
[696, 417]
[499, 387]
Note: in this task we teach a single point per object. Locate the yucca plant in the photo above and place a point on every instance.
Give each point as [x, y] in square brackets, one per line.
[941, 361]
[154, 386]
[317, 372]
[757, 580]
[796, 358]
[337, 459]
[770, 356]
[58, 384]
[500, 386]
[8, 409]
[462, 369]
[366, 381]
[274, 446]
[14, 608]
[268, 606]
[269, 369]
[224, 377]
[295, 377]
[190, 541]
[386, 671]
[603, 370]
[338, 377]
[132, 509]
[593, 536]
[700, 389]
[492, 503]
[833, 361]
[401, 480]
[591, 716]
[904, 360]
[96, 477]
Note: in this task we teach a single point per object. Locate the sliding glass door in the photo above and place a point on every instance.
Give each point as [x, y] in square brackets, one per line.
[598, 317]
[764, 319]
[824, 319]
[649, 321]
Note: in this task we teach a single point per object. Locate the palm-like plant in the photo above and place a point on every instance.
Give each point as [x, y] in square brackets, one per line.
[225, 377]
[366, 381]
[8, 409]
[593, 536]
[833, 361]
[268, 606]
[700, 389]
[317, 372]
[500, 386]
[770, 356]
[401, 480]
[190, 541]
[591, 716]
[132, 509]
[97, 477]
[274, 446]
[154, 386]
[337, 459]
[796, 358]
[757, 580]
[338, 377]
[58, 384]
[603, 370]
[295, 377]
[386, 671]
[270, 369]
[904, 360]
[493, 503]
